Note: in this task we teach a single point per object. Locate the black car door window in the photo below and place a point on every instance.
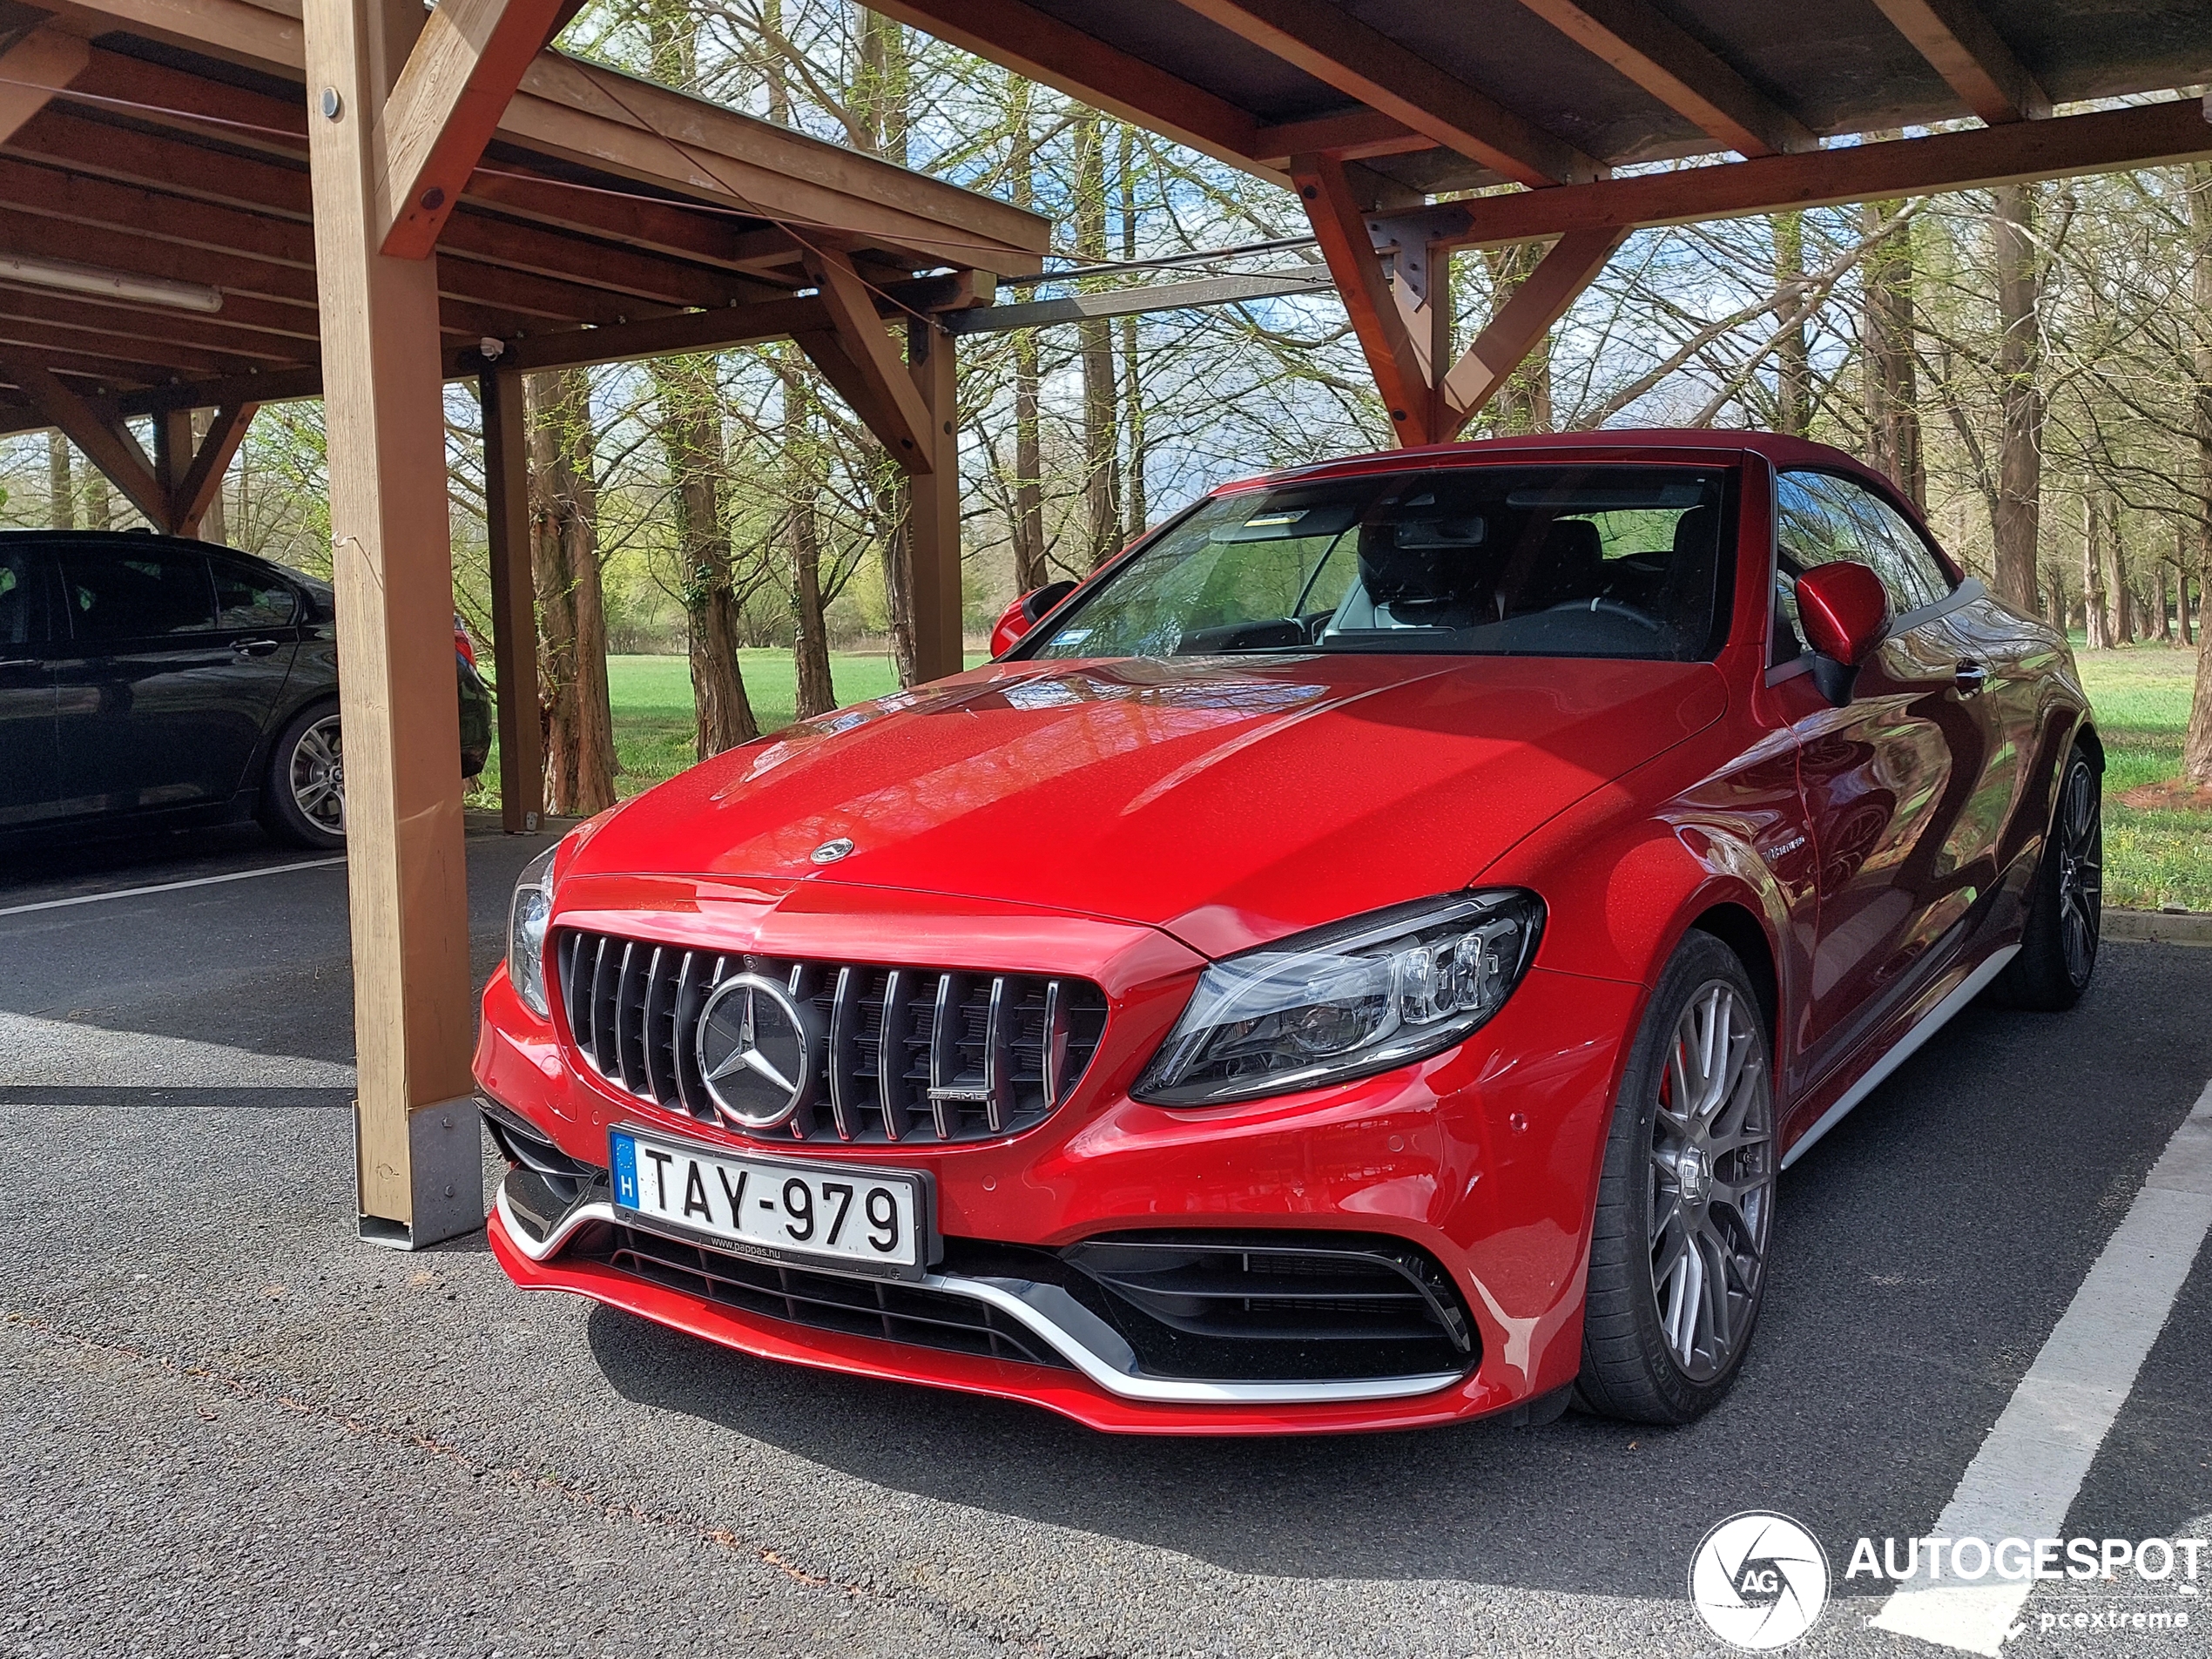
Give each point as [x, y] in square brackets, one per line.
[23, 609]
[246, 598]
[1824, 517]
[127, 594]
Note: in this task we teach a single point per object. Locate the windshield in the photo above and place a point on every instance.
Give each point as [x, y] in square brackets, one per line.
[1579, 560]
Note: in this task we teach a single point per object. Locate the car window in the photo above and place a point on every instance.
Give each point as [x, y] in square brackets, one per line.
[1824, 517]
[136, 594]
[1592, 560]
[248, 598]
[22, 608]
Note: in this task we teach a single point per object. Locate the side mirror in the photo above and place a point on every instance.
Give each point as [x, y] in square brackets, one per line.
[1843, 608]
[1025, 613]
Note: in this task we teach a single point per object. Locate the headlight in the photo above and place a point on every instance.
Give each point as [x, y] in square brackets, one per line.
[526, 919]
[1346, 1001]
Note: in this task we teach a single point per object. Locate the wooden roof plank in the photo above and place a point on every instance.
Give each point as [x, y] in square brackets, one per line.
[1057, 55]
[1959, 42]
[1662, 57]
[1332, 46]
[33, 69]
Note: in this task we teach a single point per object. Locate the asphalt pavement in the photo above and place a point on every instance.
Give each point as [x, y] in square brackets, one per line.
[232, 1428]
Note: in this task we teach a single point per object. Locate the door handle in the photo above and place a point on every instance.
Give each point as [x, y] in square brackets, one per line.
[1971, 678]
[254, 647]
[19, 661]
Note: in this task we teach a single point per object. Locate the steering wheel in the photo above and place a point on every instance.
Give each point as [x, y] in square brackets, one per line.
[1604, 607]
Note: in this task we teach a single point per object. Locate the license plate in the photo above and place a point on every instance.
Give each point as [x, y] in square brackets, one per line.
[860, 1220]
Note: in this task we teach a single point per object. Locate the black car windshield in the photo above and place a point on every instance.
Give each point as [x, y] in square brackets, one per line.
[1611, 561]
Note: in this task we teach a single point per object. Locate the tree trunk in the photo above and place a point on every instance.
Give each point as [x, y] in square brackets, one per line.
[1885, 351]
[579, 724]
[1101, 481]
[2162, 620]
[2123, 593]
[1029, 571]
[2197, 745]
[691, 432]
[2182, 583]
[1793, 357]
[2016, 524]
[802, 499]
[61, 492]
[1523, 404]
[1134, 505]
[2097, 620]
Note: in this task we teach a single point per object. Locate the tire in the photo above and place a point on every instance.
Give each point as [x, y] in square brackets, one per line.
[303, 796]
[2058, 953]
[1656, 1346]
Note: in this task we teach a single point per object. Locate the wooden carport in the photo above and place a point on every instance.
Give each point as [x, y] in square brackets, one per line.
[1372, 110]
[210, 204]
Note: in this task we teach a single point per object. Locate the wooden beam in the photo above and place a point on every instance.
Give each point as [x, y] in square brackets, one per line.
[1350, 135]
[106, 444]
[514, 601]
[176, 166]
[933, 504]
[415, 1127]
[614, 123]
[1397, 346]
[2147, 134]
[195, 492]
[1665, 60]
[444, 109]
[1042, 49]
[32, 71]
[133, 323]
[122, 357]
[1521, 323]
[1332, 46]
[1954, 37]
[870, 377]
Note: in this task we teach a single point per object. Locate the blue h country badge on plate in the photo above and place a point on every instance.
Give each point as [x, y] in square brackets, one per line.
[625, 1160]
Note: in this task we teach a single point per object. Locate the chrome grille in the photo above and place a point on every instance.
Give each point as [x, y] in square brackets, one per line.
[921, 1053]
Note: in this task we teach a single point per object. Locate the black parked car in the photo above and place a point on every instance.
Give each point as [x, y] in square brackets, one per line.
[147, 681]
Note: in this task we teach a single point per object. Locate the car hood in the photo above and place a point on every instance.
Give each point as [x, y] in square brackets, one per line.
[1226, 801]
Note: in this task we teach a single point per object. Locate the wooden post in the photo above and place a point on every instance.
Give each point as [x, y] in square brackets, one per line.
[933, 527]
[415, 1127]
[514, 601]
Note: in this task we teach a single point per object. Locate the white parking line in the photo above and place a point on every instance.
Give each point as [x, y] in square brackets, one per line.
[2024, 1480]
[170, 886]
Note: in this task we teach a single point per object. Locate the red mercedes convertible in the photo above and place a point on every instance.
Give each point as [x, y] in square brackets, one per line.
[1362, 959]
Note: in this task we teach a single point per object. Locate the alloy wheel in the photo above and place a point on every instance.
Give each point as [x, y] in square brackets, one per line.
[319, 775]
[1711, 1181]
[2081, 850]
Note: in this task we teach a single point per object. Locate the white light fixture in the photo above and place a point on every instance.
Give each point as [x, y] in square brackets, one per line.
[108, 285]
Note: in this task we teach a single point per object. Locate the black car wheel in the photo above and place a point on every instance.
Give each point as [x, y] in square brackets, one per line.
[2065, 914]
[303, 799]
[1685, 1204]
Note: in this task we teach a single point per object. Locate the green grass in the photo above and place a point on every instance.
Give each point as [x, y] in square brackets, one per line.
[2141, 694]
[2153, 859]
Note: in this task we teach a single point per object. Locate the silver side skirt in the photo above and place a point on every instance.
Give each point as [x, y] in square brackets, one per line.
[1080, 1336]
[1905, 1047]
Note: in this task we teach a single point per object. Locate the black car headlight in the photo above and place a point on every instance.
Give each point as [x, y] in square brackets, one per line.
[1346, 1001]
[526, 919]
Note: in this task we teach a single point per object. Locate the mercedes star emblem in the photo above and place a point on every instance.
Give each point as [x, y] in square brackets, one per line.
[756, 1046]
